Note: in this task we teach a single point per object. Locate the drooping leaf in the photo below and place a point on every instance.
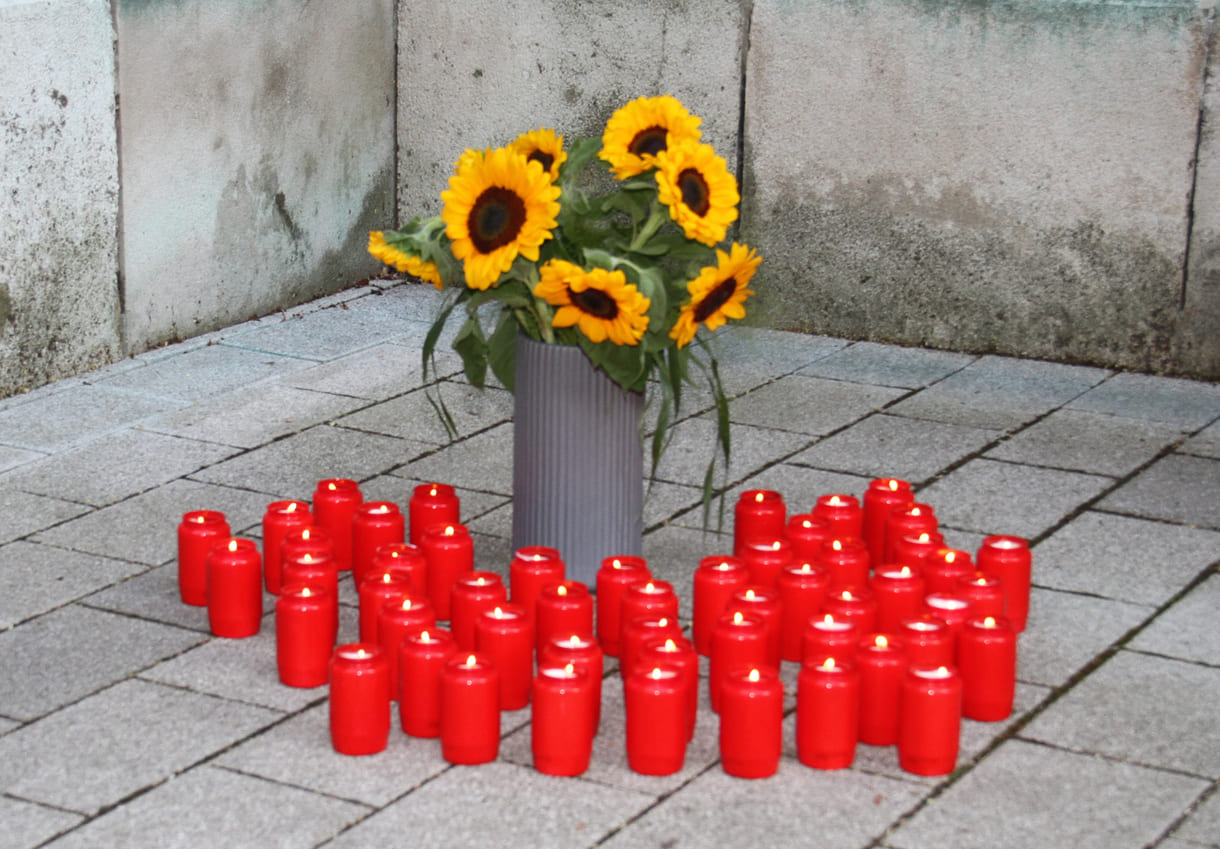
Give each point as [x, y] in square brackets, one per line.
[501, 350]
[472, 346]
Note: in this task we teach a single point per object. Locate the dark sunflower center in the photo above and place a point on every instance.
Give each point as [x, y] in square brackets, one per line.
[649, 141]
[595, 302]
[542, 158]
[495, 219]
[715, 299]
[694, 191]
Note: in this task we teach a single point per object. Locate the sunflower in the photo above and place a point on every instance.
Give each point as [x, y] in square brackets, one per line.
[700, 192]
[641, 129]
[543, 147]
[498, 206]
[717, 293]
[601, 303]
[403, 261]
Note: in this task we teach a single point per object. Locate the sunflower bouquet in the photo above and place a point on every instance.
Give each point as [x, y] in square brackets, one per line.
[609, 244]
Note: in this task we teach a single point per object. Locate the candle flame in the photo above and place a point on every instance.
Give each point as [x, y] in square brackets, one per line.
[806, 523]
[449, 531]
[777, 545]
[835, 501]
[754, 675]
[616, 564]
[663, 622]
[650, 587]
[906, 572]
[881, 642]
[387, 578]
[989, 622]
[361, 654]
[480, 581]
[950, 556]
[307, 558]
[828, 663]
[924, 536]
[837, 545]
[806, 568]
[471, 660]
[199, 519]
[750, 595]
[561, 590]
[575, 640]
[738, 618]
[292, 507]
[425, 637]
[331, 486]
[497, 612]
[394, 552]
[914, 511]
[305, 593]
[942, 671]
[305, 534]
[847, 596]
[432, 491]
[656, 674]
[381, 508]
[828, 619]
[406, 604]
[760, 497]
[232, 545]
[893, 485]
[670, 645]
[569, 669]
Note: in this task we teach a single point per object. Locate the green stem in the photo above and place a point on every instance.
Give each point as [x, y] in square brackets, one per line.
[656, 217]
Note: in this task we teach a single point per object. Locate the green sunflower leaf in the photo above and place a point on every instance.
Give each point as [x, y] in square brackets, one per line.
[472, 346]
[501, 349]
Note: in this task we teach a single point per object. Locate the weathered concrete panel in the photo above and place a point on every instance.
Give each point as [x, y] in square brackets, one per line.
[480, 72]
[257, 149]
[58, 191]
[1009, 177]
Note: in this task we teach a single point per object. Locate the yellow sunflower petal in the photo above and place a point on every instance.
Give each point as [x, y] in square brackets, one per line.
[700, 192]
[544, 147]
[600, 303]
[717, 294]
[641, 129]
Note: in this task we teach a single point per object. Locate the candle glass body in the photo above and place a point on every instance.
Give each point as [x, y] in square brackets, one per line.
[637, 631]
[827, 715]
[449, 551]
[826, 636]
[930, 721]
[855, 603]
[394, 620]
[402, 560]
[334, 505]
[842, 513]
[561, 731]
[199, 531]
[806, 532]
[473, 593]
[321, 573]
[281, 518]
[845, 561]
[655, 703]
[470, 709]
[584, 652]
[757, 513]
[802, 589]
[739, 641]
[953, 610]
[1009, 559]
[304, 634]
[928, 641]
[310, 540]
[374, 593]
[909, 521]
[375, 524]
[563, 608]
[910, 550]
[680, 654]
[881, 497]
[613, 578]
[944, 567]
[716, 579]
[432, 504]
[648, 598]
[532, 568]
[882, 665]
[235, 589]
[984, 592]
[751, 722]
[766, 558]
[505, 636]
[359, 699]
[899, 591]
[764, 603]
[987, 663]
[422, 656]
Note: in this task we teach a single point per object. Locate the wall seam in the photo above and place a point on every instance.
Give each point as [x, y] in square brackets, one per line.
[1194, 169]
[741, 103]
[120, 275]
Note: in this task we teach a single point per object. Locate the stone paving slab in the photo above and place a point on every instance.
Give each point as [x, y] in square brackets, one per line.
[11, 458]
[1188, 404]
[320, 334]
[888, 365]
[750, 356]
[810, 405]
[152, 595]
[1206, 443]
[692, 445]
[375, 374]
[412, 416]
[1066, 631]
[58, 421]
[483, 462]
[27, 824]
[22, 513]
[1188, 629]
[1203, 824]
[203, 373]
[37, 578]
[399, 490]
[1176, 488]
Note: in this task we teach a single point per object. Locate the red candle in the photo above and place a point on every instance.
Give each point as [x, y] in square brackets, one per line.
[235, 589]
[899, 591]
[374, 593]
[281, 518]
[449, 551]
[764, 603]
[334, 506]
[827, 714]
[470, 709]
[199, 531]
[987, 656]
[881, 497]
[930, 720]
[910, 550]
[739, 640]
[505, 636]
[432, 504]
[854, 603]
[318, 572]
[751, 722]
[532, 568]
[806, 533]
[584, 653]
[304, 634]
[928, 641]
[655, 702]
[845, 561]
[680, 654]
[359, 699]
[758, 513]
[944, 567]
[984, 592]
[638, 630]
[911, 520]
[1008, 558]
[882, 663]
[802, 589]
[396, 618]
[825, 636]
[564, 607]
[648, 598]
[766, 558]
[422, 656]
[953, 610]
[613, 578]
[561, 733]
[375, 524]
[473, 593]
[716, 579]
[402, 560]
[311, 540]
[843, 513]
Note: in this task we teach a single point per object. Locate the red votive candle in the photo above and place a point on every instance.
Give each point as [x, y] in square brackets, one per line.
[561, 733]
[739, 641]
[910, 550]
[716, 579]
[613, 578]
[751, 722]
[505, 636]
[432, 504]
[235, 588]
[825, 636]
[882, 663]
[199, 531]
[984, 592]
[359, 699]
[648, 598]
[404, 561]
[470, 709]
[396, 618]
[845, 561]
[953, 610]
[638, 630]
[802, 589]
[334, 506]
[899, 591]
[881, 497]
[680, 654]
[531, 569]
[928, 641]
[422, 656]
[987, 658]
[806, 533]
[855, 603]
[843, 513]
[1009, 559]
[930, 720]
[311, 539]
[908, 521]
[375, 524]
[449, 551]
[374, 593]
[314, 572]
[766, 558]
[304, 634]
[281, 518]
[827, 714]
[758, 513]
[473, 593]
[584, 653]
[763, 602]
[655, 702]
[564, 607]
[944, 567]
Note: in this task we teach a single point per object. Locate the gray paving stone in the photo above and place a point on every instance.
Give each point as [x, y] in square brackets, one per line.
[203, 372]
[11, 458]
[914, 450]
[239, 812]
[673, 553]
[114, 466]
[1088, 442]
[692, 445]
[411, 416]
[1177, 488]
[76, 415]
[27, 824]
[129, 736]
[407, 301]
[1188, 404]
[376, 374]
[7, 725]
[1206, 443]
[68, 653]
[1203, 824]
[22, 513]
[1005, 498]
[750, 356]
[399, 491]
[1150, 710]
[809, 405]
[888, 365]
[320, 334]
[37, 578]
[465, 805]
[1176, 843]
[1066, 631]
[1038, 797]
[1124, 558]
[1187, 629]
[291, 467]
[152, 595]
[482, 462]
